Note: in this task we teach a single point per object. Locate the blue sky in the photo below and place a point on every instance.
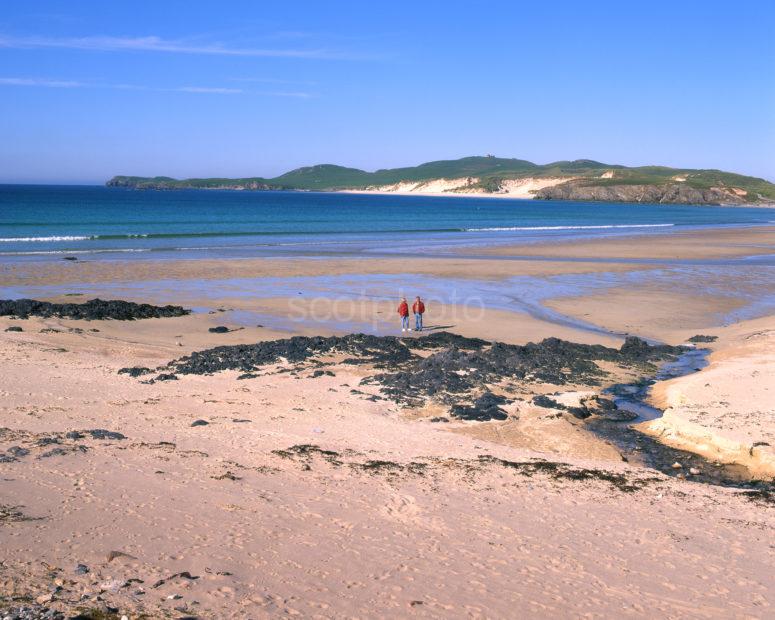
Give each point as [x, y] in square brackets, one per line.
[93, 89]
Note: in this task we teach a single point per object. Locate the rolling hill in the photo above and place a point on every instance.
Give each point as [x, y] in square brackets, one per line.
[581, 179]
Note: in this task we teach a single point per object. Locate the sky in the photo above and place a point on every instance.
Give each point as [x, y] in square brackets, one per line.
[89, 90]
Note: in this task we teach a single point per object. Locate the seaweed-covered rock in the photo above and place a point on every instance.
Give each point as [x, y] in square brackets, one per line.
[702, 338]
[459, 367]
[165, 376]
[379, 350]
[14, 328]
[134, 371]
[94, 309]
[439, 340]
[101, 433]
[220, 329]
[486, 407]
[542, 400]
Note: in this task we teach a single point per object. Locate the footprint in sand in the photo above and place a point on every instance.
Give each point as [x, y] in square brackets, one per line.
[403, 508]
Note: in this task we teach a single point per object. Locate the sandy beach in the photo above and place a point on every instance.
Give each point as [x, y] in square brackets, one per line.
[310, 488]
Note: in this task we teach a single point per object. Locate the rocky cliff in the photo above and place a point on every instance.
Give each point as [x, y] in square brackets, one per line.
[675, 193]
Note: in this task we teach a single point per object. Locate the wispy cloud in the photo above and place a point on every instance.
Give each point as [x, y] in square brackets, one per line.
[206, 90]
[39, 82]
[297, 95]
[158, 44]
[260, 80]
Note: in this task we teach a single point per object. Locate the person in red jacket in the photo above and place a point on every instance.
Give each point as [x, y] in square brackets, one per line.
[403, 312]
[418, 307]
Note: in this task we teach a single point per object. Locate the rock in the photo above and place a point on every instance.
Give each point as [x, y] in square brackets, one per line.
[676, 193]
[485, 408]
[94, 309]
[199, 423]
[18, 451]
[134, 371]
[167, 377]
[81, 569]
[101, 433]
[54, 452]
[542, 400]
[221, 329]
[112, 585]
[43, 598]
[694, 471]
[71, 258]
[74, 435]
[450, 374]
[702, 338]
[677, 465]
[119, 554]
[14, 328]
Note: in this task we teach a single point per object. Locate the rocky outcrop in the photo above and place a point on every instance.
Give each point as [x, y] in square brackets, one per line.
[164, 183]
[675, 193]
[94, 309]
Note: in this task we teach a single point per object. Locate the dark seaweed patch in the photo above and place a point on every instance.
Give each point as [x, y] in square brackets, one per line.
[563, 471]
[135, 371]
[94, 309]
[485, 407]
[703, 338]
[12, 514]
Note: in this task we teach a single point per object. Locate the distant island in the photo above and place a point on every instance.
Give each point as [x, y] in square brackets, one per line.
[581, 179]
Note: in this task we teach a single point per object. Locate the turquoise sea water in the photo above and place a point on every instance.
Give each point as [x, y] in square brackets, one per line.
[45, 222]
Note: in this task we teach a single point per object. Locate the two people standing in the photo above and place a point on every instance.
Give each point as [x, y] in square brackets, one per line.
[418, 309]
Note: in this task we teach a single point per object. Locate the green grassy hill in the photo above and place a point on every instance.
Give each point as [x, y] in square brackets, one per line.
[488, 173]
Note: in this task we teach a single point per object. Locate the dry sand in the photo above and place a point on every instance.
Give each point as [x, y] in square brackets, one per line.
[402, 517]
[318, 535]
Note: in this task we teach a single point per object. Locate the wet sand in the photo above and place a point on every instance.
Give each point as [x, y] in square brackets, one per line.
[315, 495]
[695, 244]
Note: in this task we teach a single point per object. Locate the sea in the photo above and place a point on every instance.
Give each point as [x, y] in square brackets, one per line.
[46, 222]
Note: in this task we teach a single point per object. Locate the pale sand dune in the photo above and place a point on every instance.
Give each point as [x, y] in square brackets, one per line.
[524, 188]
[268, 535]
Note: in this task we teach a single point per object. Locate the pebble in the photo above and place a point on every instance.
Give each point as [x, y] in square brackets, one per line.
[694, 471]
[199, 423]
[112, 585]
[81, 569]
[677, 465]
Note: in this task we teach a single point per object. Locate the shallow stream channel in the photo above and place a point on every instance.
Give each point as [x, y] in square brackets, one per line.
[640, 449]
